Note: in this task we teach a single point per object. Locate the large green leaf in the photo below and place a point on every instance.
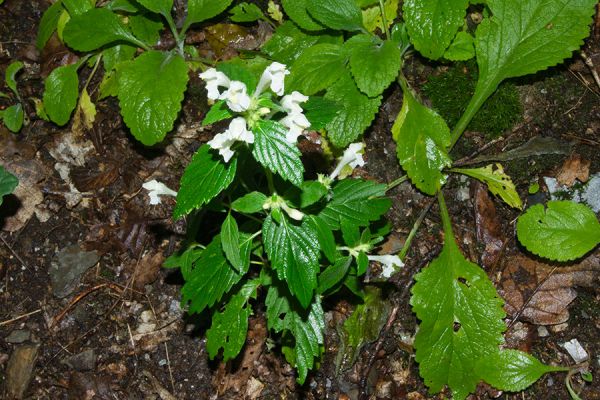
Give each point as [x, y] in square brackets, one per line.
[61, 90]
[246, 12]
[317, 68]
[375, 63]
[229, 329]
[78, 7]
[356, 112]
[48, 24]
[151, 89]
[563, 231]
[114, 55]
[461, 320]
[158, 6]
[297, 11]
[274, 152]
[336, 14]
[432, 24]
[94, 29]
[422, 138]
[8, 183]
[13, 117]
[294, 254]
[497, 181]
[203, 179]
[201, 10]
[146, 27]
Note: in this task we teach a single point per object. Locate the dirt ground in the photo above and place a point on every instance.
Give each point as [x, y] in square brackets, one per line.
[87, 312]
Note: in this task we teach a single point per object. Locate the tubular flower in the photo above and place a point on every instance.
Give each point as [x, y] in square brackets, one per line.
[237, 132]
[297, 123]
[214, 79]
[389, 262]
[156, 189]
[352, 157]
[274, 75]
[236, 97]
[291, 102]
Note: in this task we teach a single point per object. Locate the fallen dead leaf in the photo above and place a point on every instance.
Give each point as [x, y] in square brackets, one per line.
[574, 168]
[147, 270]
[30, 173]
[489, 230]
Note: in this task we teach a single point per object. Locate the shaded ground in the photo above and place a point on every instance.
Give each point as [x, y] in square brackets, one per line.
[118, 331]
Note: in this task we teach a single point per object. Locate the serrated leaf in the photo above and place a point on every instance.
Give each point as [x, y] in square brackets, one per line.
[94, 29]
[334, 275]
[249, 203]
[356, 113]
[320, 111]
[151, 89]
[274, 152]
[372, 19]
[317, 68]
[277, 306]
[48, 24]
[246, 12]
[375, 63]
[422, 139]
[462, 47]
[294, 253]
[461, 320]
[229, 329]
[61, 90]
[563, 231]
[146, 27]
[13, 117]
[9, 76]
[336, 14]
[201, 10]
[162, 7]
[8, 183]
[218, 112]
[512, 370]
[114, 55]
[204, 178]
[432, 24]
[297, 11]
[109, 85]
[497, 181]
[230, 239]
[210, 278]
[356, 200]
[325, 237]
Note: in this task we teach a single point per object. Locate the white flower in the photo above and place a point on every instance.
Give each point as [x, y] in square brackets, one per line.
[214, 79]
[274, 75]
[156, 189]
[291, 102]
[236, 96]
[297, 123]
[352, 157]
[390, 262]
[236, 132]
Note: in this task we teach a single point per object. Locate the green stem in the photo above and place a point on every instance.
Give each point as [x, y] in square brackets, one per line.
[384, 19]
[481, 95]
[179, 37]
[395, 183]
[414, 230]
[447, 223]
[93, 71]
[270, 181]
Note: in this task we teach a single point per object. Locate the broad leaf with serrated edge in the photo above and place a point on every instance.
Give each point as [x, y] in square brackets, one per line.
[61, 90]
[94, 29]
[564, 231]
[294, 253]
[274, 152]
[230, 239]
[512, 370]
[356, 112]
[8, 183]
[357, 201]
[151, 89]
[201, 10]
[432, 24]
[422, 138]
[229, 329]
[204, 178]
[336, 14]
[374, 63]
[461, 320]
[497, 181]
[317, 68]
[296, 10]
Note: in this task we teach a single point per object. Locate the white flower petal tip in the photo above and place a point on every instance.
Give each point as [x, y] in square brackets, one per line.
[352, 157]
[297, 123]
[391, 264]
[214, 79]
[291, 102]
[274, 76]
[156, 189]
[237, 132]
[236, 97]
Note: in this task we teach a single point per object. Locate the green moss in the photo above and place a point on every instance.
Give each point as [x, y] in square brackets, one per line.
[451, 92]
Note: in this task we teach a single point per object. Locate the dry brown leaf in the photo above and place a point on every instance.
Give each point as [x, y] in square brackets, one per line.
[147, 270]
[489, 230]
[540, 293]
[574, 168]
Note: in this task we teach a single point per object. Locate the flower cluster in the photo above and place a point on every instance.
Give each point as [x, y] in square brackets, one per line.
[235, 94]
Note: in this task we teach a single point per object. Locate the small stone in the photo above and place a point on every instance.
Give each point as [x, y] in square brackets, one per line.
[20, 370]
[543, 331]
[67, 268]
[575, 350]
[84, 361]
[559, 328]
[18, 336]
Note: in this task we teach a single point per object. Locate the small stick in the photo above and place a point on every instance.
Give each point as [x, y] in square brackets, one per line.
[10, 321]
[590, 64]
[78, 298]
[170, 370]
[14, 252]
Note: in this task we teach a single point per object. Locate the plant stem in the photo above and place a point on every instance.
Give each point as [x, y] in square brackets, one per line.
[270, 181]
[415, 229]
[179, 38]
[384, 19]
[447, 223]
[396, 182]
[93, 71]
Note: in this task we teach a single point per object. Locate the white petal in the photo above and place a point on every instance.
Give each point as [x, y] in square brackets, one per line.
[238, 130]
[390, 263]
[274, 75]
[291, 102]
[156, 189]
[214, 79]
[236, 96]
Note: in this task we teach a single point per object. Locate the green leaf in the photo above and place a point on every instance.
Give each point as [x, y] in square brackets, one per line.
[151, 89]
[422, 138]
[9, 76]
[311, 192]
[201, 10]
[274, 152]
[230, 239]
[246, 12]
[297, 11]
[334, 275]
[203, 179]
[210, 278]
[61, 91]
[229, 329]
[356, 200]
[319, 112]
[336, 14]
[237, 70]
[146, 27]
[564, 231]
[375, 63]
[13, 117]
[129, 6]
[94, 29]
[78, 7]
[250, 203]
[432, 24]
[497, 181]
[218, 112]
[317, 68]
[372, 19]
[512, 370]
[461, 320]
[48, 24]
[294, 253]
[162, 7]
[325, 237]
[115, 55]
[356, 113]
[462, 47]
[8, 183]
